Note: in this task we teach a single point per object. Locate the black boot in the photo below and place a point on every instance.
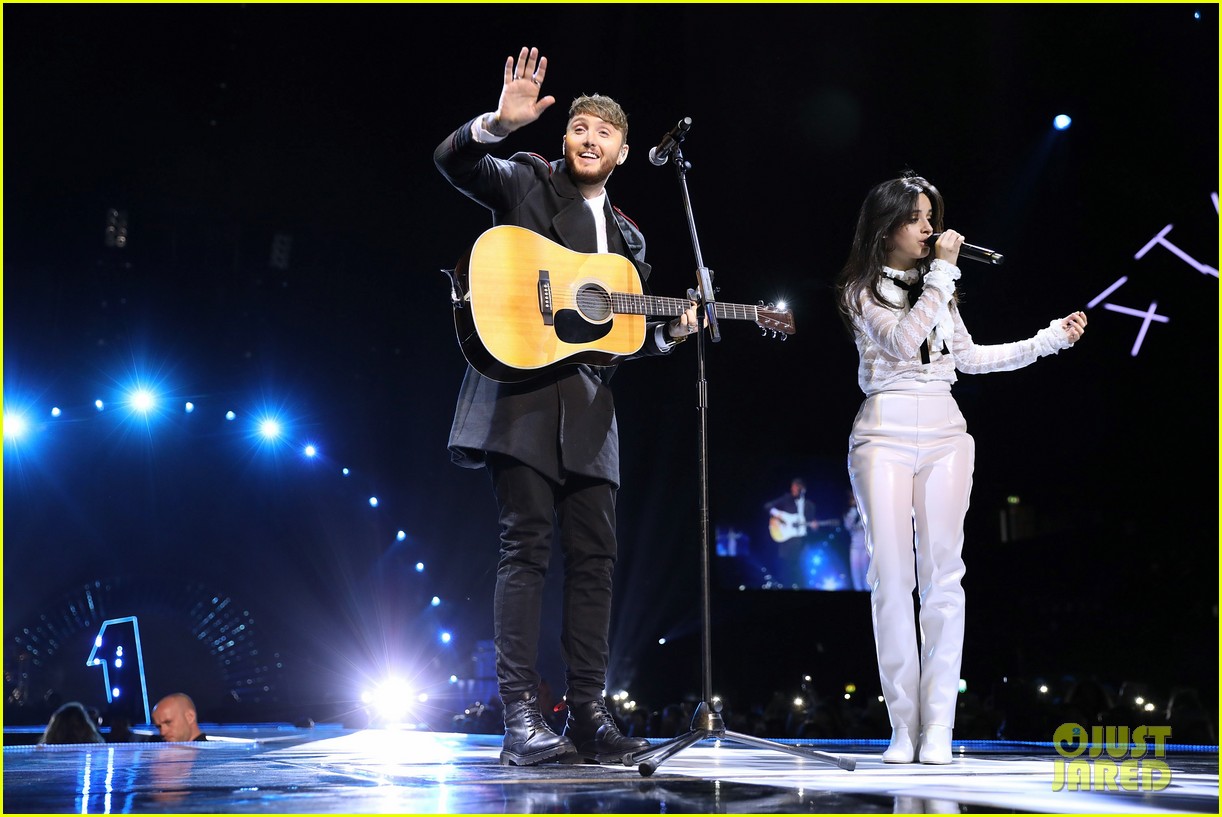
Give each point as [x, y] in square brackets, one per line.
[597, 737]
[528, 738]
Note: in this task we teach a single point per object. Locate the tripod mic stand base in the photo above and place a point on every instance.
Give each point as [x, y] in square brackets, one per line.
[647, 762]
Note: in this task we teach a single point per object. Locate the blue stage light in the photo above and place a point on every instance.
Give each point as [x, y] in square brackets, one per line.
[118, 663]
[419, 567]
[373, 502]
[436, 602]
[114, 693]
[15, 426]
[269, 428]
[400, 536]
[310, 450]
[445, 637]
[344, 472]
[1062, 121]
[141, 400]
[229, 415]
[55, 412]
[99, 405]
[189, 407]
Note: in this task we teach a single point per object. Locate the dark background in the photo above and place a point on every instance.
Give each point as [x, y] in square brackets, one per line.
[216, 128]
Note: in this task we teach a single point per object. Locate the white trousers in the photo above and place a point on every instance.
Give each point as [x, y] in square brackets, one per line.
[910, 462]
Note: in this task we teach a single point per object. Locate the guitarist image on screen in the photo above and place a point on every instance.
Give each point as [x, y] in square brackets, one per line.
[549, 441]
[791, 519]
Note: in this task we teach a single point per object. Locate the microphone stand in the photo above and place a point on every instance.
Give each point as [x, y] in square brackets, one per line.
[707, 721]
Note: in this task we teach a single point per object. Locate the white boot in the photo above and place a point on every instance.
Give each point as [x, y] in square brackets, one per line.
[935, 744]
[902, 748]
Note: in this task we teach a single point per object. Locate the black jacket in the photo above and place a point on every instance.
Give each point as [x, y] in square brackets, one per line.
[563, 421]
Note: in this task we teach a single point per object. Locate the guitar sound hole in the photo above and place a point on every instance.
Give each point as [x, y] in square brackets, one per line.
[594, 303]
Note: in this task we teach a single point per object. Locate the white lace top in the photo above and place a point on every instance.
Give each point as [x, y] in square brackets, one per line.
[889, 339]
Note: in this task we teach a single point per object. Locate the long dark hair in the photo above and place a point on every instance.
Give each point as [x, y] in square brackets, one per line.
[887, 207]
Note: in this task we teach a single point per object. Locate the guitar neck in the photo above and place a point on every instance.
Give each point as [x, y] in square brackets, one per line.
[631, 304]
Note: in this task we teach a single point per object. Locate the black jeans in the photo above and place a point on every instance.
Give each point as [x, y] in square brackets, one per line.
[531, 507]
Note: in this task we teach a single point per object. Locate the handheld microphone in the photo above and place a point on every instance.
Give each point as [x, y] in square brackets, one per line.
[661, 154]
[972, 251]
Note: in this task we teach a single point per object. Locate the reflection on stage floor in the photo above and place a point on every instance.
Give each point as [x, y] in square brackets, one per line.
[327, 770]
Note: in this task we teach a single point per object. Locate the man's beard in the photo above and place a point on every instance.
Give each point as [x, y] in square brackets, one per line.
[597, 175]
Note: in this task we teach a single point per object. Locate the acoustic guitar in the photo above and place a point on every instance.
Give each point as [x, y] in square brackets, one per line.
[789, 525]
[524, 305]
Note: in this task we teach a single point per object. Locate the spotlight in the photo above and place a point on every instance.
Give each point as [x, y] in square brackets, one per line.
[419, 567]
[1062, 121]
[344, 472]
[141, 400]
[373, 502]
[118, 663]
[99, 405]
[55, 412]
[436, 602]
[189, 407]
[114, 693]
[310, 451]
[445, 637]
[390, 699]
[269, 428]
[400, 536]
[662, 641]
[229, 415]
[15, 425]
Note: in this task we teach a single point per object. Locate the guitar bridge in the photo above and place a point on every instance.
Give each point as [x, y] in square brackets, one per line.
[545, 298]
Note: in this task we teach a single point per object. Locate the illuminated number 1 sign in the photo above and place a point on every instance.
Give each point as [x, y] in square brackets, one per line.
[114, 653]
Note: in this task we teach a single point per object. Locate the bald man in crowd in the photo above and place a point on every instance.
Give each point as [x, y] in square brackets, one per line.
[174, 717]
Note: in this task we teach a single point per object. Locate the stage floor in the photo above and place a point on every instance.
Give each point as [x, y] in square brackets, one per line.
[326, 770]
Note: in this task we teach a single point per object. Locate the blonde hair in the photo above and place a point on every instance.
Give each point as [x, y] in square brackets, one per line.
[604, 107]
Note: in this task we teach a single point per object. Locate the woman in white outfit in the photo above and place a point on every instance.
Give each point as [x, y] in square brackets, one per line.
[910, 456]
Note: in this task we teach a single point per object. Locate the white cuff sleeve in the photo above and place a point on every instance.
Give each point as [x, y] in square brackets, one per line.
[942, 277]
[482, 134]
[1052, 339]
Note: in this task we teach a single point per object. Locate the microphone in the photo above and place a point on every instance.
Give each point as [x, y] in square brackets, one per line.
[661, 154]
[972, 251]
